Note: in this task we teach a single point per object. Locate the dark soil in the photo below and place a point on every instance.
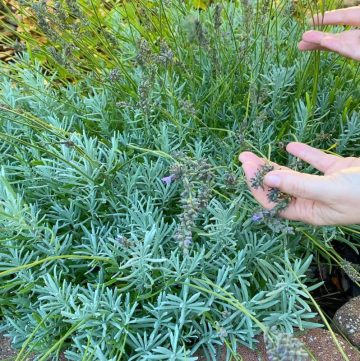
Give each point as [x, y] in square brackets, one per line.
[338, 288]
[6, 351]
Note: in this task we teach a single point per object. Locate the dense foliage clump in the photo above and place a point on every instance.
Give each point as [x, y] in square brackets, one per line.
[127, 228]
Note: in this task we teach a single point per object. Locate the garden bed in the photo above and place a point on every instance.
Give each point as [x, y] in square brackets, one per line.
[127, 227]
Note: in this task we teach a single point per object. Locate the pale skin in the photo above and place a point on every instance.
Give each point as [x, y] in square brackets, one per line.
[332, 198]
[346, 43]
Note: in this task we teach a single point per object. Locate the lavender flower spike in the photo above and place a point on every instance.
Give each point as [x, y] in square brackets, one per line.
[167, 180]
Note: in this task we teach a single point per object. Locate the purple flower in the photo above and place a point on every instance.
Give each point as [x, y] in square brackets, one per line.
[257, 217]
[167, 180]
[123, 241]
[120, 239]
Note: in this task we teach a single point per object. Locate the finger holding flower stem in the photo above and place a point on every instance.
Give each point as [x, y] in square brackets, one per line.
[328, 199]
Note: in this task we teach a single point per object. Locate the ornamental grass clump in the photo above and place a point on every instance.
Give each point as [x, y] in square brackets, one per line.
[126, 230]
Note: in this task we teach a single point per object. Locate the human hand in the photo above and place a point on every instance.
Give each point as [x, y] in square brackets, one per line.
[346, 43]
[329, 199]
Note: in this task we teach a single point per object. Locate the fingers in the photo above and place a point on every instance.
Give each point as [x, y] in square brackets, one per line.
[302, 210]
[298, 210]
[305, 46]
[288, 181]
[300, 185]
[346, 43]
[323, 40]
[315, 157]
[349, 16]
[319, 200]
[246, 157]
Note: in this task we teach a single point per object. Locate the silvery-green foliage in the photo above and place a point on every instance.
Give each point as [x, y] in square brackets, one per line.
[301, 121]
[88, 224]
[350, 133]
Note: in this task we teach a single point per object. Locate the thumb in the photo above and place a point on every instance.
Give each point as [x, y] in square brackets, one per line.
[300, 185]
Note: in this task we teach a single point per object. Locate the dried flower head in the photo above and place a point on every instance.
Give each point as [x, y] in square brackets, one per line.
[74, 9]
[231, 179]
[166, 55]
[217, 16]
[57, 56]
[177, 170]
[114, 75]
[144, 55]
[110, 38]
[200, 34]
[258, 180]
[196, 177]
[46, 22]
[204, 170]
[19, 46]
[123, 241]
[278, 226]
[123, 104]
[274, 195]
[188, 107]
[69, 50]
[60, 12]
[247, 11]
[284, 347]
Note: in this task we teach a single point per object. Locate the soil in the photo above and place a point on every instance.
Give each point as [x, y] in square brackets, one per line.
[7, 353]
[318, 341]
[337, 288]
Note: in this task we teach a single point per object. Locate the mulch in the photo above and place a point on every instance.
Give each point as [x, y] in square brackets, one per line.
[7, 353]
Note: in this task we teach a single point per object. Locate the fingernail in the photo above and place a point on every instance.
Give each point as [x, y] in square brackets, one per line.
[272, 180]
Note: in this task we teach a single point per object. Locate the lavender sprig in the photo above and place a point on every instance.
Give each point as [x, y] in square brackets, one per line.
[284, 347]
[196, 177]
[274, 195]
[258, 180]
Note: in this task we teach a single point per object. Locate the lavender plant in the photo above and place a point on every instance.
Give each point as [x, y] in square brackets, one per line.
[123, 209]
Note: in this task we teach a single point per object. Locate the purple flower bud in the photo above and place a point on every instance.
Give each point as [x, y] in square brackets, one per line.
[120, 239]
[257, 217]
[167, 180]
[187, 242]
